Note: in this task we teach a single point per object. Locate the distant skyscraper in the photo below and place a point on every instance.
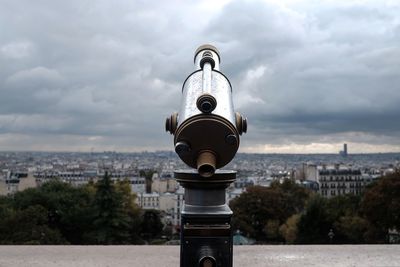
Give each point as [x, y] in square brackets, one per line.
[344, 151]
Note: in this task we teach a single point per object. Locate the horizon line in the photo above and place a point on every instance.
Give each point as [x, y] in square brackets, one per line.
[162, 151]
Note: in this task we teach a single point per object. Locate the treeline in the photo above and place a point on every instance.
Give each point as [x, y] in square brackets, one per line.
[288, 213]
[58, 213]
[105, 213]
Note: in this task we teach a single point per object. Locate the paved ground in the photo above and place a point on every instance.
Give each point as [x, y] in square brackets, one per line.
[248, 256]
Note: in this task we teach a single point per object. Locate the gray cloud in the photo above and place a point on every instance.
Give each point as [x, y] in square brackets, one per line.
[77, 75]
[320, 71]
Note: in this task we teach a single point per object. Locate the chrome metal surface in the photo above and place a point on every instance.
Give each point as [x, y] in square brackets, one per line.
[219, 87]
[207, 70]
[208, 92]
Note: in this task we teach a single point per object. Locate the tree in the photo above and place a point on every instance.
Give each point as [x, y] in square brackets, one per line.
[289, 229]
[295, 196]
[151, 224]
[252, 210]
[352, 228]
[101, 213]
[380, 206]
[69, 209]
[271, 230]
[313, 226]
[347, 224]
[29, 227]
[129, 205]
[260, 211]
[343, 205]
[112, 222]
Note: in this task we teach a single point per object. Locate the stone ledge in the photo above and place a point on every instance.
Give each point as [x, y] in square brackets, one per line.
[168, 256]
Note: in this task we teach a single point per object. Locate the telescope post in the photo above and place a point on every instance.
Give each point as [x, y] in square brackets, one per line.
[206, 232]
[206, 137]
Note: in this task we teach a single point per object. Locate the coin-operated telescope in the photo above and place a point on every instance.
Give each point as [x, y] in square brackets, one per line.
[206, 130]
[206, 137]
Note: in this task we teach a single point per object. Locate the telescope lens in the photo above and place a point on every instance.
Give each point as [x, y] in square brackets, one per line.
[208, 262]
[206, 163]
[206, 170]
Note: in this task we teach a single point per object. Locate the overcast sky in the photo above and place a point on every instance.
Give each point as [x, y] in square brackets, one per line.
[79, 75]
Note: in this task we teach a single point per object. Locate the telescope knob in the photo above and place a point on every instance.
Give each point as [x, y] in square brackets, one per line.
[171, 123]
[241, 123]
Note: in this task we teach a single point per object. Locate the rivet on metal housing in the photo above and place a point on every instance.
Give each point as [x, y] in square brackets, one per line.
[182, 148]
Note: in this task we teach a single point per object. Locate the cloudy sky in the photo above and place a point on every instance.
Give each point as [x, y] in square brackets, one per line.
[79, 75]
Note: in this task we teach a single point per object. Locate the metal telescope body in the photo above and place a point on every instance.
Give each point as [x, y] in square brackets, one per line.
[206, 137]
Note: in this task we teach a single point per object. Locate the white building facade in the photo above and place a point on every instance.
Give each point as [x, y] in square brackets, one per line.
[335, 182]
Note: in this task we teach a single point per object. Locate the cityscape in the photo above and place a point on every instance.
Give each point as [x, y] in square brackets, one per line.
[328, 175]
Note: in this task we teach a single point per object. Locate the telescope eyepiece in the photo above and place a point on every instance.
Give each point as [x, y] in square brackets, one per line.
[207, 54]
[207, 58]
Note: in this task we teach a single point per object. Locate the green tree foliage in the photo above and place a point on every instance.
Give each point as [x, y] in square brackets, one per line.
[152, 226]
[313, 226]
[260, 211]
[351, 229]
[129, 205]
[343, 205]
[58, 213]
[287, 212]
[271, 229]
[381, 207]
[69, 209]
[253, 209]
[288, 230]
[294, 196]
[347, 223]
[112, 222]
[29, 227]
[340, 213]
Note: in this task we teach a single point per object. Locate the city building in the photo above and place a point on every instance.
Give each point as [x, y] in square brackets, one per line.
[163, 185]
[148, 200]
[337, 181]
[13, 182]
[138, 184]
[179, 202]
[344, 151]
